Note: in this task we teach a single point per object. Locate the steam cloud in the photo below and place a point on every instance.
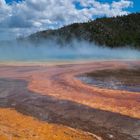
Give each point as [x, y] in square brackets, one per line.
[51, 51]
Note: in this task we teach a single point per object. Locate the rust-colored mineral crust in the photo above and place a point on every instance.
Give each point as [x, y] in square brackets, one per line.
[54, 94]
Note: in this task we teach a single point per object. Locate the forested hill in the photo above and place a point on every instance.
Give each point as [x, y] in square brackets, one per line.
[112, 32]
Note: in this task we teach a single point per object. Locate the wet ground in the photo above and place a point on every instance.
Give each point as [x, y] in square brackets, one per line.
[54, 95]
[102, 123]
[119, 79]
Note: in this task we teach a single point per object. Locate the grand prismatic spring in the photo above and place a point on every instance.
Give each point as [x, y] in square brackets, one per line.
[60, 105]
[69, 70]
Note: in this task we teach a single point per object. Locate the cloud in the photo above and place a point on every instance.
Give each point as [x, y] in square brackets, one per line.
[2, 2]
[43, 14]
[122, 4]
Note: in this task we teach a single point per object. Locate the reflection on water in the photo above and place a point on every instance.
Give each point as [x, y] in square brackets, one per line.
[114, 79]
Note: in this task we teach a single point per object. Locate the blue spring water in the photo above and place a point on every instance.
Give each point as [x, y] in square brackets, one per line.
[53, 52]
[110, 84]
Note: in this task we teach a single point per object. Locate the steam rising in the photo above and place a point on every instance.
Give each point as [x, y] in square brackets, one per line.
[51, 51]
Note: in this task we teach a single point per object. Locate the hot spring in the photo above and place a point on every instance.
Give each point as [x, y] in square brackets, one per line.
[50, 51]
[119, 79]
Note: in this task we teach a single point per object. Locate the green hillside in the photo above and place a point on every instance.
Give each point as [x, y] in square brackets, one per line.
[113, 32]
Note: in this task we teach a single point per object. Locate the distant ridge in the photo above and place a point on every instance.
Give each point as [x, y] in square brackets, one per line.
[113, 32]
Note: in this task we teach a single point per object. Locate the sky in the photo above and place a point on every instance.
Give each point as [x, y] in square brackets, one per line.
[23, 17]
